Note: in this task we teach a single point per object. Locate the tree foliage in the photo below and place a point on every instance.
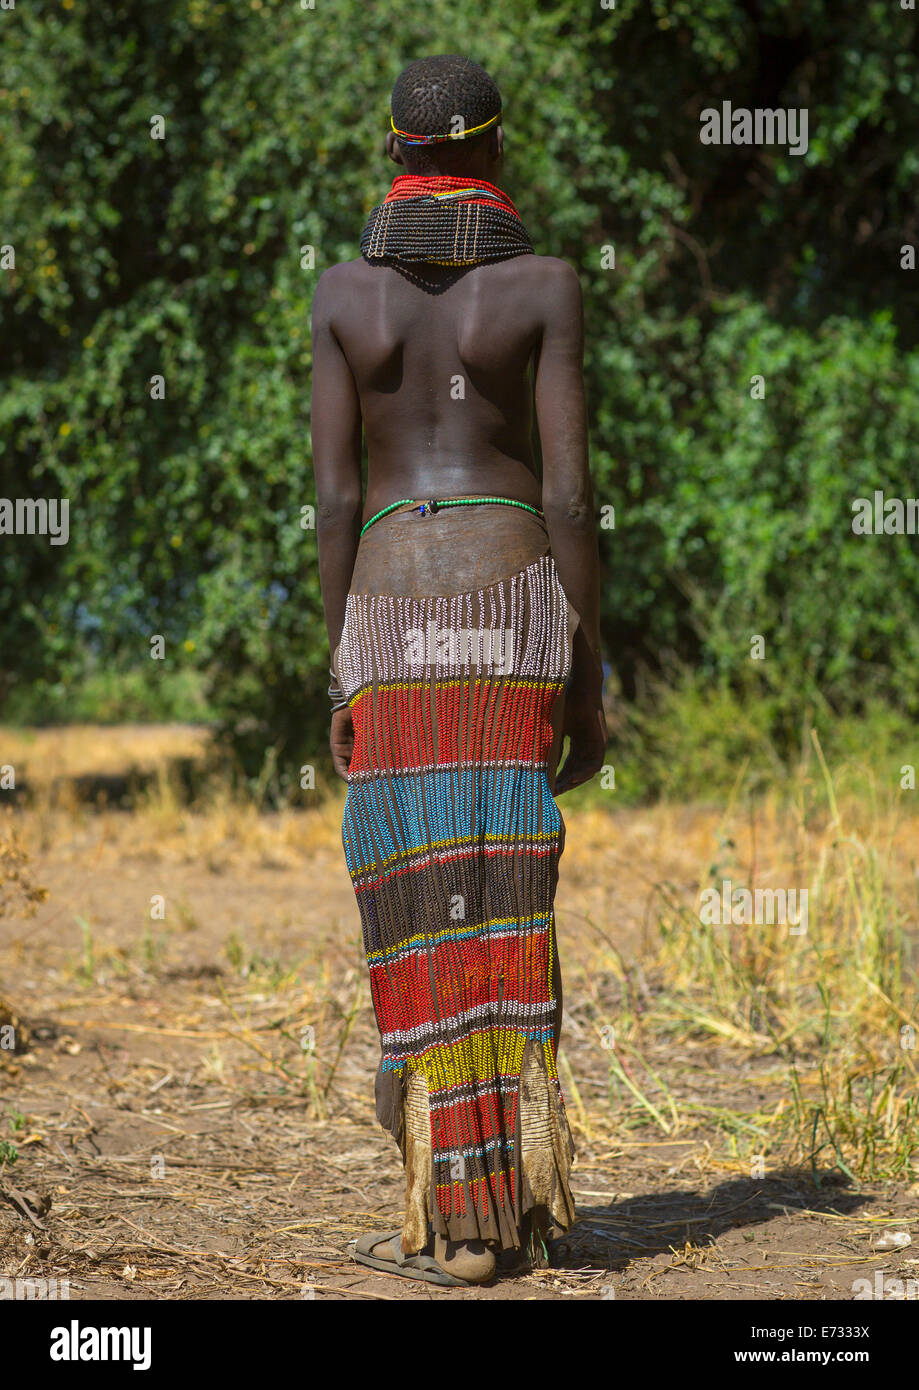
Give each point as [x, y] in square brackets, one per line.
[182, 258]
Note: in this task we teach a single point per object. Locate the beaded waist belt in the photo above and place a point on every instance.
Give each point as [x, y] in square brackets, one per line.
[428, 508]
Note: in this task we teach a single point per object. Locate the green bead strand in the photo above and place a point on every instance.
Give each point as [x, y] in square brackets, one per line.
[450, 502]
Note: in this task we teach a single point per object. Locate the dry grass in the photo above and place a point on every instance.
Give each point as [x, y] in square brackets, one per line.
[19, 893]
[734, 1051]
[830, 1012]
[43, 757]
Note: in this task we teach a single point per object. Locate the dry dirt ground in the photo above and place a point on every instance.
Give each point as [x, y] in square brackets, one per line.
[194, 1115]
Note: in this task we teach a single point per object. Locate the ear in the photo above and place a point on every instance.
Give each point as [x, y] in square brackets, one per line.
[495, 146]
[393, 148]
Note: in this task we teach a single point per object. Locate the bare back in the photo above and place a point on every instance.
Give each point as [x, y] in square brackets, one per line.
[442, 362]
[446, 373]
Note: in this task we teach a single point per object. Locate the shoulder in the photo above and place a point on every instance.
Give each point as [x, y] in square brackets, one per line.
[335, 285]
[555, 282]
[560, 279]
[342, 272]
[553, 291]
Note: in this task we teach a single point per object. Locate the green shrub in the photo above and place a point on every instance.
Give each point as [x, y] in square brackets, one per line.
[181, 258]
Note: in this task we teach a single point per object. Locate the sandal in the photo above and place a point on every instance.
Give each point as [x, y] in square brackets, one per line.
[423, 1267]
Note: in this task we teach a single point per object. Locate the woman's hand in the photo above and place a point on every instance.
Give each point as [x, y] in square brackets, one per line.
[585, 725]
[341, 740]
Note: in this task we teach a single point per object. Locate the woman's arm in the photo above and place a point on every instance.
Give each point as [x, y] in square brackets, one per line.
[567, 501]
[336, 435]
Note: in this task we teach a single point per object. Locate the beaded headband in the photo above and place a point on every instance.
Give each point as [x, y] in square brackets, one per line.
[406, 139]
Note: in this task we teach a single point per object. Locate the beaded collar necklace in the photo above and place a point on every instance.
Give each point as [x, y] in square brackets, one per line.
[444, 220]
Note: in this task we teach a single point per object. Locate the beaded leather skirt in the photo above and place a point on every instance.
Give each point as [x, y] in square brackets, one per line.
[452, 838]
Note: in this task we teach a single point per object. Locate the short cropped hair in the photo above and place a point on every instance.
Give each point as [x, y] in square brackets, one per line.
[431, 93]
